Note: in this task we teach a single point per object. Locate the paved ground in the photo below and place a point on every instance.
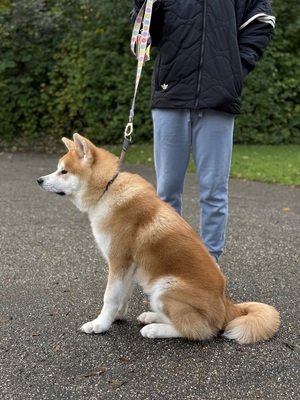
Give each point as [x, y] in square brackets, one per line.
[52, 280]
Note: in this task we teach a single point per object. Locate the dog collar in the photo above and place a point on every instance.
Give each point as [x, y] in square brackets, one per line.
[109, 184]
[111, 181]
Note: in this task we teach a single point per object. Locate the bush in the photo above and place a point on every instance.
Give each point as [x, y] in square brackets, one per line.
[66, 66]
[271, 107]
[26, 41]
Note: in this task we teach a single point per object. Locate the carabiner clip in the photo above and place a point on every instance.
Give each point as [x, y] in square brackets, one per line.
[128, 131]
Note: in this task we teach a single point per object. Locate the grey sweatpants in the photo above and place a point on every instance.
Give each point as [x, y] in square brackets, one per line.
[210, 135]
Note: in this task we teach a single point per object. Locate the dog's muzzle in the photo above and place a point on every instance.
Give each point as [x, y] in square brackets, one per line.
[40, 181]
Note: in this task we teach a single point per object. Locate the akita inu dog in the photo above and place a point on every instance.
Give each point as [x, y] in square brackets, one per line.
[145, 241]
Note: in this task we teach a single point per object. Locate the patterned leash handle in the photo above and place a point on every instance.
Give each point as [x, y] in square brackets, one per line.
[141, 42]
[140, 47]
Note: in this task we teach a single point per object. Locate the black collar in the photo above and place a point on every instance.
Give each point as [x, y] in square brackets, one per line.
[112, 181]
[109, 184]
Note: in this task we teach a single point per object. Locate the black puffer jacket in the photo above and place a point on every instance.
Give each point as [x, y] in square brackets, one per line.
[206, 49]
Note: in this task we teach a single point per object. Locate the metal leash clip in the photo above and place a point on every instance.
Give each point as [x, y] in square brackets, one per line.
[127, 139]
[128, 131]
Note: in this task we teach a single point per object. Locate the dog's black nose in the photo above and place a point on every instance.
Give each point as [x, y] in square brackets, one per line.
[40, 181]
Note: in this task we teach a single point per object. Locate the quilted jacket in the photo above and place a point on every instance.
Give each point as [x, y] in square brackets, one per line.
[206, 49]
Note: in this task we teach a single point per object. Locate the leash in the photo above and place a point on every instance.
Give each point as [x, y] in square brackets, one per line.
[140, 47]
[108, 185]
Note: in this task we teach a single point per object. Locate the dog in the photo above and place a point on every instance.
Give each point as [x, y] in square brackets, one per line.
[146, 242]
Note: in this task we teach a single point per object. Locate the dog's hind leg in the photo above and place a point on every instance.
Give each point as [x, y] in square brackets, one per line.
[188, 321]
[180, 320]
[160, 331]
[153, 317]
[158, 325]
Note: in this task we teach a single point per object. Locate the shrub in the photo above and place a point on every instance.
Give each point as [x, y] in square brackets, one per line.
[66, 66]
[271, 107]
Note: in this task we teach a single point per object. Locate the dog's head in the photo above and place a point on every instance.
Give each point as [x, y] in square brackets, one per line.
[83, 173]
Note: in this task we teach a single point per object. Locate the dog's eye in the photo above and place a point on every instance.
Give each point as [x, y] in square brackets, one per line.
[63, 172]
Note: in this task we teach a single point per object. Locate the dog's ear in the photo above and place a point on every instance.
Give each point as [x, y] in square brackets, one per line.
[83, 148]
[68, 143]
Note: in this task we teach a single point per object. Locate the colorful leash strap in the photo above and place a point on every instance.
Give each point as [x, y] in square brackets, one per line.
[140, 47]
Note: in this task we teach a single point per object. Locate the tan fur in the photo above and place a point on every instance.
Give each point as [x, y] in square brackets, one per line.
[148, 241]
[258, 322]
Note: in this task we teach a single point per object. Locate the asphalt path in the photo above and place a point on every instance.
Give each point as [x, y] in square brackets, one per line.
[52, 280]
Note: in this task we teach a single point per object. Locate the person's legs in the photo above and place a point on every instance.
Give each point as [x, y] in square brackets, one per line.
[172, 144]
[212, 138]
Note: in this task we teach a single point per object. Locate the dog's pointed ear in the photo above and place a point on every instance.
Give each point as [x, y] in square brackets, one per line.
[83, 148]
[68, 143]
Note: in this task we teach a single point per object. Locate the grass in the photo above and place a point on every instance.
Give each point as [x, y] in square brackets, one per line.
[277, 164]
[274, 163]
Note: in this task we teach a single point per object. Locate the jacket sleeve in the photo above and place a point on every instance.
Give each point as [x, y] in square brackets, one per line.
[156, 19]
[255, 33]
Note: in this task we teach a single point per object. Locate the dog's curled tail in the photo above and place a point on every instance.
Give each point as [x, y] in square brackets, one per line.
[252, 322]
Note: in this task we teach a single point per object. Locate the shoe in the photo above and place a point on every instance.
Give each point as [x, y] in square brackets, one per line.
[216, 261]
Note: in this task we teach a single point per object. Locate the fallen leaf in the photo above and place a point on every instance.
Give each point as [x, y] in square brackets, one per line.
[53, 313]
[117, 384]
[99, 371]
[286, 209]
[57, 348]
[126, 360]
[289, 345]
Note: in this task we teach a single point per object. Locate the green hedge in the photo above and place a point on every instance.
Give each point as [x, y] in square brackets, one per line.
[66, 66]
[271, 107]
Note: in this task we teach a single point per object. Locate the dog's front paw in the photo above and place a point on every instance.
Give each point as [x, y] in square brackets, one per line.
[94, 326]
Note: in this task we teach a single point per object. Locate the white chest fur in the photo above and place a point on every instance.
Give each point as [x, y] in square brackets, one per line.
[103, 241]
[102, 237]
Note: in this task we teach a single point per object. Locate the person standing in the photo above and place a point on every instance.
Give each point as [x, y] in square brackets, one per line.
[205, 51]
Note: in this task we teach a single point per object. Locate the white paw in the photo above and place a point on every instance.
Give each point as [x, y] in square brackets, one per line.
[145, 318]
[163, 330]
[150, 331]
[94, 326]
[148, 318]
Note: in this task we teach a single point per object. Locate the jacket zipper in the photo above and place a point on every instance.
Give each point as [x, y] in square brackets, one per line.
[201, 55]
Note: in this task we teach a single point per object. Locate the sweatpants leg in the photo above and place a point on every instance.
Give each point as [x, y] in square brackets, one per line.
[212, 138]
[210, 134]
[172, 144]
